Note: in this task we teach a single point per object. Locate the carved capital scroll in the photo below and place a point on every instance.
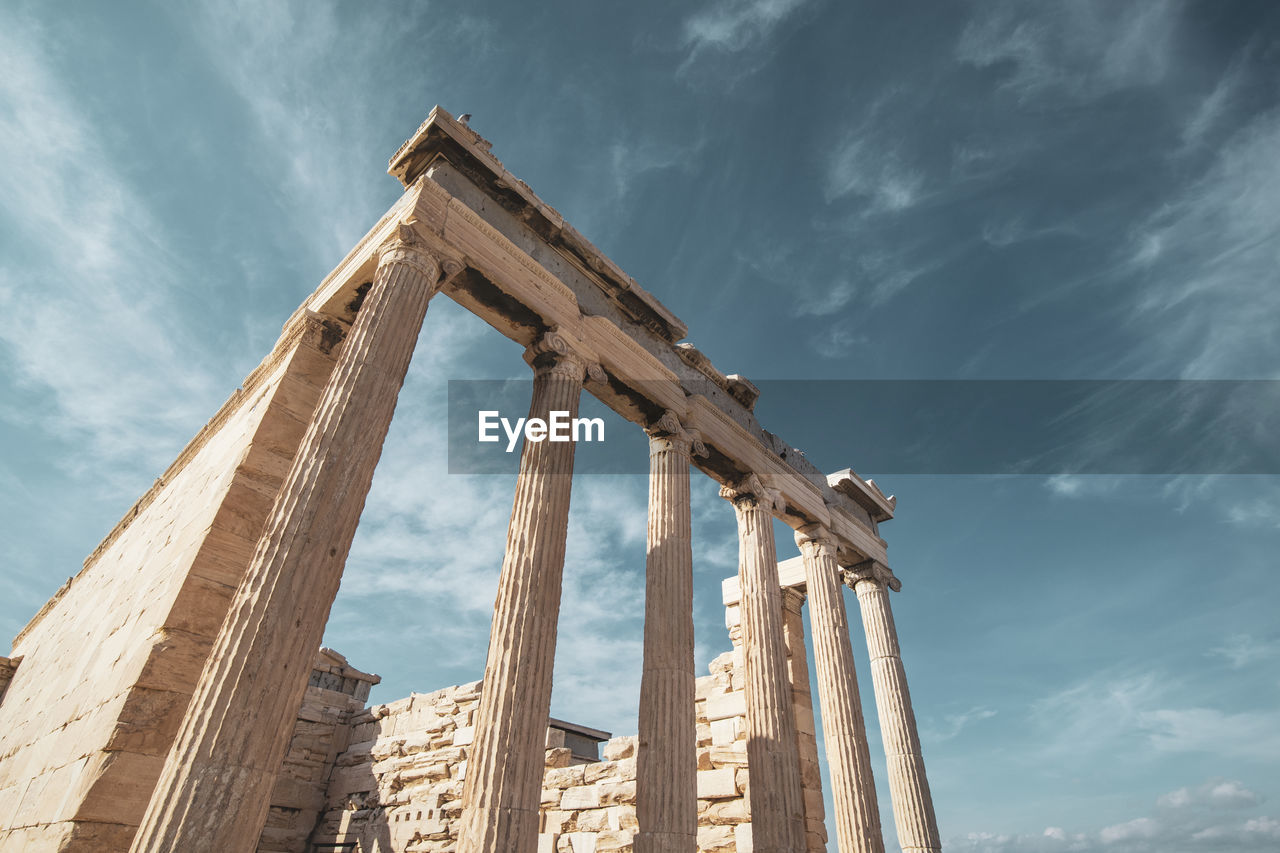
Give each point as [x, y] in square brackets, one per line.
[871, 570]
[555, 353]
[668, 432]
[751, 492]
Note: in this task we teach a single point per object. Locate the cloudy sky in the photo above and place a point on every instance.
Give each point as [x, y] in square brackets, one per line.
[822, 190]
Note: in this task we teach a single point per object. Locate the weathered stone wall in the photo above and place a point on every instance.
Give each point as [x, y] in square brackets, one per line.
[397, 786]
[110, 662]
[336, 692]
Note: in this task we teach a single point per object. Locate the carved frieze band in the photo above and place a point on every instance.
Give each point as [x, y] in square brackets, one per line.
[512, 250]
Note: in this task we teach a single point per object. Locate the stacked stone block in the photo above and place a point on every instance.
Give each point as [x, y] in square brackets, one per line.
[336, 692]
[397, 782]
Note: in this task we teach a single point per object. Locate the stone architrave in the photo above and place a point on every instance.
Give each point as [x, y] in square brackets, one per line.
[503, 787]
[666, 755]
[215, 788]
[844, 734]
[908, 785]
[776, 796]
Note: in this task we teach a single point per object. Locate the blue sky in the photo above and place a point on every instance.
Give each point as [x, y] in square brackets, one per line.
[821, 190]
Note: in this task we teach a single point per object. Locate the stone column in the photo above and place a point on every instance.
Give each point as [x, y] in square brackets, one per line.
[912, 804]
[806, 734]
[776, 799]
[844, 732]
[666, 756]
[503, 788]
[215, 788]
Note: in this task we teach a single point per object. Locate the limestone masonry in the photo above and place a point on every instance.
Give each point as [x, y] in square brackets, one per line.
[170, 696]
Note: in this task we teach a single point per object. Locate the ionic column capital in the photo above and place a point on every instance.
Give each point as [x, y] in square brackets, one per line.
[870, 570]
[668, 433]
[407, 247]
[814, 540]
[555, 353]
[750, 493]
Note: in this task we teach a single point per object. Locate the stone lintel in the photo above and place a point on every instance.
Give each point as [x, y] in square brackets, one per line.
[790, 576]
[442, 136]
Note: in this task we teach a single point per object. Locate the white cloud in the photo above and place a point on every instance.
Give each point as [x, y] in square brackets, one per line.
[1215, 793]
[1081, 485]
[1142, 827]
[632, 159]
[953, 724]
[836, 341]
[734, 25]
[1079, 50]
[1246, 734]
[1209, 258]
[1191, 820]
[95, 321]
[320, 142]
[1206, 118]
[860, 166]
[1241, 650]
[1134, 714]
[820, 302]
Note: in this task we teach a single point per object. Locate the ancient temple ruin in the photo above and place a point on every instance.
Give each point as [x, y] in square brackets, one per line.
[169, 696]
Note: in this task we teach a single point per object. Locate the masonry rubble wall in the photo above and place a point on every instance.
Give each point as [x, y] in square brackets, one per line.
[335, 693]
[395, 783]
[110, 662]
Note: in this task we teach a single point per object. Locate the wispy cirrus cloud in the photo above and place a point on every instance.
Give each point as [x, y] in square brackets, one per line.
[1081, 50]
[1242, 650]
[89, 270]
[320, 140]
[734, 25]
[1113, 714]
[951, 725]
[1208, 262]
[631, 159]
[865, 167]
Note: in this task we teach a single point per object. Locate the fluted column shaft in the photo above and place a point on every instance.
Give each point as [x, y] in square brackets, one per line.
[806, 736]
[215, 788]
[857, 814]
[504, 769]
[776, 799]
[666, 757]
[908, 786]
